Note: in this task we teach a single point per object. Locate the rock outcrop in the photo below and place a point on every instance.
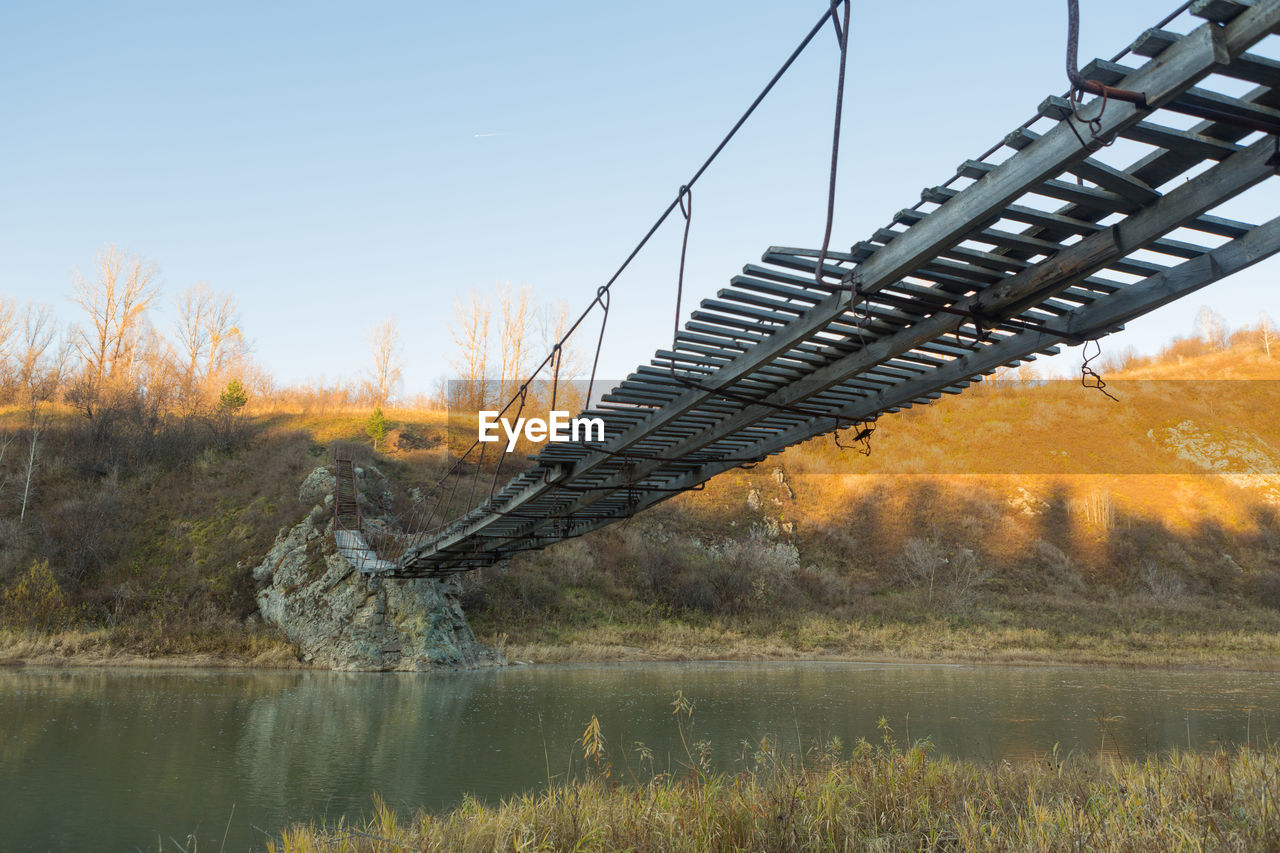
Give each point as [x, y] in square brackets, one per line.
[1234, 454]
[344, 620]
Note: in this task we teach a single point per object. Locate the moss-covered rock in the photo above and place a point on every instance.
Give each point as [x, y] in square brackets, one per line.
[345, 620]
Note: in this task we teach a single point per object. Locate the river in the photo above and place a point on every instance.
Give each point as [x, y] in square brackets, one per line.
[135, 759]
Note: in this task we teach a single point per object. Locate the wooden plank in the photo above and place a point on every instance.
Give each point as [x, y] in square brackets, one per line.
[1219, 11]
[959, 273]
[735, 334]
[986, 260]
[1250, 67]
[1230, 109]
[1108, 178]
[1061, 190]
[1153, 42]
[773, 288]
[1182, 141]
[1253, 68]
[718, 342]
[779, 318]
[1207, 223]
[715, 352]
[764, 331]
[1221, 226]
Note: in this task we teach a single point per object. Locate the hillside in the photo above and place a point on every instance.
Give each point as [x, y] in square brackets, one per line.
[1022, 520]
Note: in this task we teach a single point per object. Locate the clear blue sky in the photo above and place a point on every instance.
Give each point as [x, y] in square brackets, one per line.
[331, 165]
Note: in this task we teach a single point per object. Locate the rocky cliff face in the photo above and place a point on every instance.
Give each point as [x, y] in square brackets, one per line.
[344, 620]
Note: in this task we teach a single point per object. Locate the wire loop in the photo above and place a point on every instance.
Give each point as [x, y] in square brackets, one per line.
[1089, 377]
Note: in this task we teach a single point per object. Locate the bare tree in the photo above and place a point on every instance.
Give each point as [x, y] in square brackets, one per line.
[37, 427]
[1268, 329]
[227, 347]
[155, 375]
[40, 373]
[209, 344]
[116, 303]
[193, 338]
[515, 344]
[527, 331]
[39, 369]
[1211, 327]
[8, 336]
[471, 335]
[6, 439]
[568, 363]
[388, 361]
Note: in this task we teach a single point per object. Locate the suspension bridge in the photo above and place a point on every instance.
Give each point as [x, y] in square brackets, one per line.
[1043, 240]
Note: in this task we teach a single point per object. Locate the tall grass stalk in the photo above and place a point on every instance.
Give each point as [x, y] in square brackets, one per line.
[873, 797]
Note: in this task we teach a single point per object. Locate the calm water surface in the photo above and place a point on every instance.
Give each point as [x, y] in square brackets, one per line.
[124, 760]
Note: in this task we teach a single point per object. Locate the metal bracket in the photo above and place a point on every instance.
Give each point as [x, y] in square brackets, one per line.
[1111, 93]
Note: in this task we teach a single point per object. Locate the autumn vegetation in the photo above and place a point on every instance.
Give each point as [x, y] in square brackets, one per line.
[862, 797]
[867, 795]
[144, 472]
[1026, 520]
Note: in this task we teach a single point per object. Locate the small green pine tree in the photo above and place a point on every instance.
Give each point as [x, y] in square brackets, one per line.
[376, 427]
[233, 398]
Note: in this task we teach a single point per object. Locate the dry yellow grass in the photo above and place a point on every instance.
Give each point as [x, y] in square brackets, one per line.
[979, 638]
[880, 797]
[102, 648]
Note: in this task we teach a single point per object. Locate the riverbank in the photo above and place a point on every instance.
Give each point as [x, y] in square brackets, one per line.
[1123, 632]
[881, 797]
[1252, 652]
[106, 648]
[1120, 631]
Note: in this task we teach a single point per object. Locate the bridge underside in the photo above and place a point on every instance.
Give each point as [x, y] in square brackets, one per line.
[1038, 243]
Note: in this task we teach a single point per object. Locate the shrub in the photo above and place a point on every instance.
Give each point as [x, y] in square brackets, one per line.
[518, 586]
[1266, 589]
[731, 577]
[1163, 584]
[572, 562]
[824, 587]
[943, 580]
[35, 600]
[1057, 567]
[410, 439]
[85, 536]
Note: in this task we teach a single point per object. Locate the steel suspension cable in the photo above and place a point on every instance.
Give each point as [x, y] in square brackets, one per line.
[843, 37]
[603, 291]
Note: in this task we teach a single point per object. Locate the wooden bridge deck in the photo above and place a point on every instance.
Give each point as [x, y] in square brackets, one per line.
[1040, 242]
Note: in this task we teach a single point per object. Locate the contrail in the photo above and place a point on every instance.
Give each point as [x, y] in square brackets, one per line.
[482, 135]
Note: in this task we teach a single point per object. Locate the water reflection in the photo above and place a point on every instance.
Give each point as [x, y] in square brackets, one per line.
[111, 759]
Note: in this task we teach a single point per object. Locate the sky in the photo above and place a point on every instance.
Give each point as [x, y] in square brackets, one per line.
[333, 165]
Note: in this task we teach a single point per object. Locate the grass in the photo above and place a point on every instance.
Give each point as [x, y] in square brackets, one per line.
[873, 797]
[1128, 632]
[108, 647]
